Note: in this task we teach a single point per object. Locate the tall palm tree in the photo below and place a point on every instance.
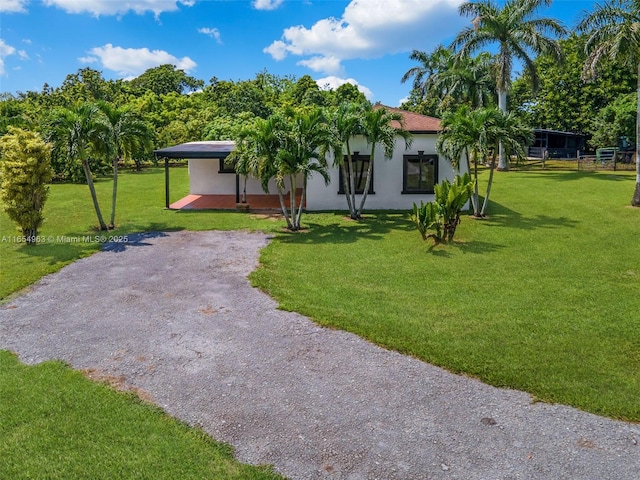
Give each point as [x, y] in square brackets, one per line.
[83, 133]
[614, 33]
[378, 129]
[128, 135]
[518, 32]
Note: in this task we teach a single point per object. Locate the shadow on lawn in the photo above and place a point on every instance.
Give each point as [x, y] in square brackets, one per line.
[501, 216]
[565, 176]
[374, 226]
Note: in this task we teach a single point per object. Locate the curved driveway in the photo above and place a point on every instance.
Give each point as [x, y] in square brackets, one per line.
[174, 315]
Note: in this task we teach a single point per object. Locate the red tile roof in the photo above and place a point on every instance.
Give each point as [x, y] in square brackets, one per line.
[415, 122]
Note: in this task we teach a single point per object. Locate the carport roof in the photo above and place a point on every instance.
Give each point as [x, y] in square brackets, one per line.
[207, 149]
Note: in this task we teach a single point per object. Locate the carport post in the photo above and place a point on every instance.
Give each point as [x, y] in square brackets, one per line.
[166, 181]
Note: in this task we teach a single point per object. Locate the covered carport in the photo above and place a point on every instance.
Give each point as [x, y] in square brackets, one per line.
[198, 150]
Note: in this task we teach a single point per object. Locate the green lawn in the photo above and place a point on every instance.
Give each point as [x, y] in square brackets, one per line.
[542, 296]
[56, 424]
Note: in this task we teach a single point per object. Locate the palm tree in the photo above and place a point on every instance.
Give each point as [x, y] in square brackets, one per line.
[303, 152]
[614, 33]
[451, 78]
[346, 123]
[128, 135]
[505, 130]
[81, 132]
[475, 133]
[378, 129]
[517, 31]
[281, 148]
[460, 136]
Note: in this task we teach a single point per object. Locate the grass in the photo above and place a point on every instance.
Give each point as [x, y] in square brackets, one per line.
[55, 423]
[70, 218]
[542, 296]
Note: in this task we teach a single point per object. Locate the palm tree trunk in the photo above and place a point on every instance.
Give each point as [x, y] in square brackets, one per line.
[114, 193]
[367, 183]
[502, 104]
[284, 209]
[94, 197]
[347, 191]
[352, 188]
[292, 201]
[636, 194]
[486, 198]
[304, 189]
[244, 190]
[474, 196]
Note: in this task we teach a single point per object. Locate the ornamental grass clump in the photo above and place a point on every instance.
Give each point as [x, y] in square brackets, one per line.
[440, 218]
[25, 170]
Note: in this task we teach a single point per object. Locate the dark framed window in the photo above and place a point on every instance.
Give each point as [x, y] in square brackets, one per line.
[420, 173]
[227, 166]
[360, 168]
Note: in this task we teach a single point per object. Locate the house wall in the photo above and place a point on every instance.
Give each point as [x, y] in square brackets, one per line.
[205, 179]
[387, 178]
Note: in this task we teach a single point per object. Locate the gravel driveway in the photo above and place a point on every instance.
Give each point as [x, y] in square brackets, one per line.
[175, 316]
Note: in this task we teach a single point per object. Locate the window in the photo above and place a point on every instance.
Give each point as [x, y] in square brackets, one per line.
[360, 166]
[420, 173]
[227, 166]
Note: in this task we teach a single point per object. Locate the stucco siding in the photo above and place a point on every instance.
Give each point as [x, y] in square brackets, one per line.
[387, 178]
[205, 179]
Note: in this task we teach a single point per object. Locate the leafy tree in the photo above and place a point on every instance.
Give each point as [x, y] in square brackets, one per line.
[24, 172]
[565, 100]
[616, 120]
[165, 79]
[128, 136]
[81, 133]
[517, 31]
[614, 33]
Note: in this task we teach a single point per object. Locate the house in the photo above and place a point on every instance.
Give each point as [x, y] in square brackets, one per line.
[556, 144]
[396, 183]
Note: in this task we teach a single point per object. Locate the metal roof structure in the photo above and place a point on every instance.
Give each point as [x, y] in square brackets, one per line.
[206, 149]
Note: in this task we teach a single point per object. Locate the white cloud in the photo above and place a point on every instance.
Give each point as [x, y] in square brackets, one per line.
[212, 32]
[13, 6]
[332, 82]
[118, 7]
[369, 29]
[134, 61]
[5, 51]
[266, 4]
[323, 64]
[23, 55]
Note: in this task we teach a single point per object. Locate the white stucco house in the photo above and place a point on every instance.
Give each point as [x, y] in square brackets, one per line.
[396, 183]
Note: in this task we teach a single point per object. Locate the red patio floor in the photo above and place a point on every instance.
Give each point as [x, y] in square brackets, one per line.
[228, 202]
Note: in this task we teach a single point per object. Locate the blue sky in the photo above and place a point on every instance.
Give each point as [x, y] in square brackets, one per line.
[365, 42]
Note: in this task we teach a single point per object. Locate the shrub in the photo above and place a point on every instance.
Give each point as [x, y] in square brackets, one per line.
[25, 170]
[442, 216]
